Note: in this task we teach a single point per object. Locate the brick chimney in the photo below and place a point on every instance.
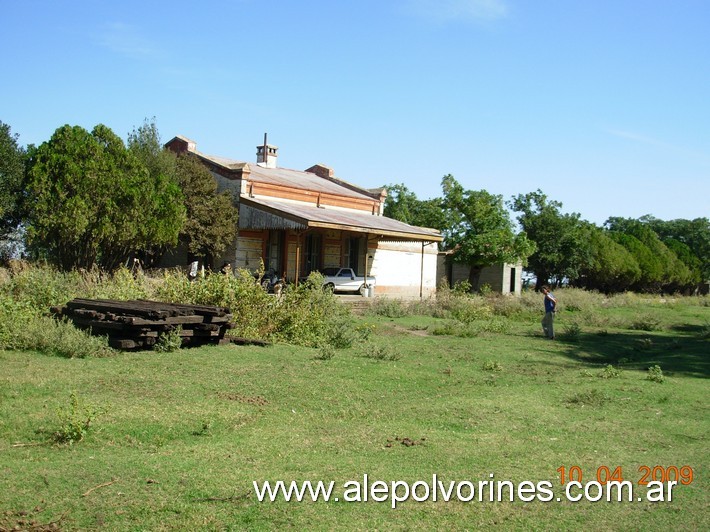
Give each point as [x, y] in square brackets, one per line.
[266, 155]
[322, 170]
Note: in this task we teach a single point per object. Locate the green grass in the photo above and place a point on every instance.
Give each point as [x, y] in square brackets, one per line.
[178, 438]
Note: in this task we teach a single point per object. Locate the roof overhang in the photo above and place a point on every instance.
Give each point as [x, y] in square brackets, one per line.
[283, 215]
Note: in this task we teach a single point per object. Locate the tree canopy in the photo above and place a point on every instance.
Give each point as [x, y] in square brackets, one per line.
[11, 175]
[480, 232]
[562, 244]
[403, 205]
[93, 202]
[211, 216]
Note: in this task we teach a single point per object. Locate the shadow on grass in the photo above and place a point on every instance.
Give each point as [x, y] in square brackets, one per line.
[682, 353]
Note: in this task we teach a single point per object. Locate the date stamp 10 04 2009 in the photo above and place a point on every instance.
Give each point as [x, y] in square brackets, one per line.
[646, 474]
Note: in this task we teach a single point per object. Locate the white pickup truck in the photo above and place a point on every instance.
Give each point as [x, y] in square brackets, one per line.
[345, 280]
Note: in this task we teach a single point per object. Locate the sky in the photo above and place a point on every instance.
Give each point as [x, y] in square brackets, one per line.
[603, 105]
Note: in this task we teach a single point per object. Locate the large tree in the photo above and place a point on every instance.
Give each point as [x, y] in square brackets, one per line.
[403, 205]
[611, 268]
[562, 244]
[93, 202]
[695, 234]
[11, 174]
[211, 215]
[661, 269]
[144, 143]
[480, 232]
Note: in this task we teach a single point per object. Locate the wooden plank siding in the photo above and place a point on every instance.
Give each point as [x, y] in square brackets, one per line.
[312, 197]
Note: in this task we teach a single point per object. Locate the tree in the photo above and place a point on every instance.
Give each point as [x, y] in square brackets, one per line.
[93, 202]
[562, 247]
[211, 216]
[611, 268]
[11, 175]
[161, 164]
[480, 231]
[403, 205]
[661, 269]
[693, 233]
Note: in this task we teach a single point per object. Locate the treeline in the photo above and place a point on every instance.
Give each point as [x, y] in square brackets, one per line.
[85, 198]
[642, 255]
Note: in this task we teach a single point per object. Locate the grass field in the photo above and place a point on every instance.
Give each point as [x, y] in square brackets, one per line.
[177, 439]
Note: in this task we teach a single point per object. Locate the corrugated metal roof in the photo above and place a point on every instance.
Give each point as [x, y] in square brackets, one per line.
[313, 217]
[302, 180]
[285, 177]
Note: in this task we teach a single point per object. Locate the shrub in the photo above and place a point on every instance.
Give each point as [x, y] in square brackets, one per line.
[326, 352]
[341, 334]
[381, 352]
[469, 309]
[572, 332]
[645, 322]
[23, 328]
[492, 365]
[74, 421]
[655, 374]
[456, 328]
[392, 308]
[609, 372]
[169, 341]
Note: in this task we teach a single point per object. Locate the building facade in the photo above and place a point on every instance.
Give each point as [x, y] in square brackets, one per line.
[295, 222]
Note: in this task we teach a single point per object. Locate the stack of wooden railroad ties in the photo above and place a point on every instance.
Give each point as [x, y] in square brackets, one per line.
[138, 324]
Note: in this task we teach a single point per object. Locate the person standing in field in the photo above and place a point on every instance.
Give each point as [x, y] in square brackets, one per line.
[550, 308]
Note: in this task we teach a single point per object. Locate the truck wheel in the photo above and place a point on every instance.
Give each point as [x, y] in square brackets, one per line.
[363, 290]
[329, 287]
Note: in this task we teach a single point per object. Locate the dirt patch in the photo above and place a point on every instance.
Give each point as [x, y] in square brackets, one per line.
[29, 520]
[407, 442]
[257, 400]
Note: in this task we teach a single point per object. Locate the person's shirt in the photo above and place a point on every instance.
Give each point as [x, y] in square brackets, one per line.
[550, 302]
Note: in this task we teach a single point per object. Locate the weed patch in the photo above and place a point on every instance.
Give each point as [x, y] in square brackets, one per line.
[645, 322]
[169, 341]
[74, 421]
[591, 397]
[381, 352]
[492, 365]
[610, 372]
[655, 374]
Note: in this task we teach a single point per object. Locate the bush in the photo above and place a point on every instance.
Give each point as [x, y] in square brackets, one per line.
[492, 365]
[572, 332]
[655, 374]
[392, 308]
[23, 328]
[610, 372]
[645, 322]
[74, 421]
[381, 352]
[326, 352]
[169, 341]
[456, 328]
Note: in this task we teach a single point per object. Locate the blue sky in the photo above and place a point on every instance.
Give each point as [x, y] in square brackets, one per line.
[603, 105]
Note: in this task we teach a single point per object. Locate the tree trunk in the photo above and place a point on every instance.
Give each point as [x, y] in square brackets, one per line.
[541, 279]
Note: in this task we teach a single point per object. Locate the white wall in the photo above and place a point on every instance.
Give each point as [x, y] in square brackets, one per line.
[397, 266]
